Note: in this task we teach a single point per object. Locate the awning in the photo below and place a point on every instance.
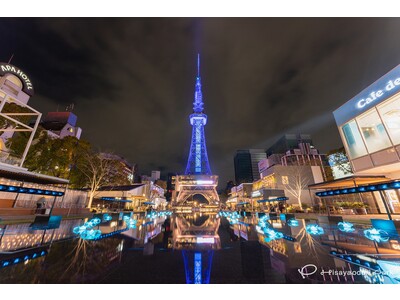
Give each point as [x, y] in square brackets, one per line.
[243, 203]
[393, 185]
[149, 203]
[350, 181]
[112, 199]
[23, 175]
[273, 200]
[23, 190]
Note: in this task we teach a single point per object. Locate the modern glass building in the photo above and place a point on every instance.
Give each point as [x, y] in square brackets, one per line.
[369, 125]
[246, 164]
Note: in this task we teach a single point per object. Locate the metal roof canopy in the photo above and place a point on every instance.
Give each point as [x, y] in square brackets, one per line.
[23, 175]
[350, 181]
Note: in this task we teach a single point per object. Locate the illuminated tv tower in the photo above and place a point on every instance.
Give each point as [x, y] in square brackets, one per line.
[198, 160]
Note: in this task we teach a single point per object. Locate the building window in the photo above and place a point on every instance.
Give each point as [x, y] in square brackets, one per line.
[390, 113]
[355, 144]
[285, 180]
[373, 131]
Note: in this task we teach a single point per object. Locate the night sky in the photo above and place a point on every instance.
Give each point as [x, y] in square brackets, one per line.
[132, 80]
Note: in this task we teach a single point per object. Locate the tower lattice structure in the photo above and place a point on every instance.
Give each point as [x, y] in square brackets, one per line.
[198, 158]
[198, 179]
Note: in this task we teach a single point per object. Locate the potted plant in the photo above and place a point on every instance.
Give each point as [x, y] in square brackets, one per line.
[360, 208]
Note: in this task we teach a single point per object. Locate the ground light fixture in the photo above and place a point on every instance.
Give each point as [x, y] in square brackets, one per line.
[346, 226]
[314, 229]
[376, 235]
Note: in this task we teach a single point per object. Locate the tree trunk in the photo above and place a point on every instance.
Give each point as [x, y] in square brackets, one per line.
[91, 196]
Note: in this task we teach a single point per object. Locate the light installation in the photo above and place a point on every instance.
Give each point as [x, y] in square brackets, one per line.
[130, 223]
[272, 235]
[346, 226]
[154, 215]
[377, 235]
[314, 229]
[293, 222]
[107, 217]
[86, 231]
[198, 159]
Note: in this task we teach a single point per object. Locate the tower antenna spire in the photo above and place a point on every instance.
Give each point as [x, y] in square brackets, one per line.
[198, 65]
[9, 61]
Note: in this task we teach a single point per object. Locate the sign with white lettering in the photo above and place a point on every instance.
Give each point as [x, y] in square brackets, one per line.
[382, 89]
[10, 69]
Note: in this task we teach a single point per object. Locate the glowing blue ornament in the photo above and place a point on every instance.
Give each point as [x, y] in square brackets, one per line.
[314, 229]
[346, 226]
[90, 234]
[293, 223]
[130, 223]
[107, 217]
[96, 221]
[377, 235]
[271, 235]
[79, 229]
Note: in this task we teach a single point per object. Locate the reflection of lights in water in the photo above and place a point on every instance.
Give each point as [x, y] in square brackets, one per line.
[390, 268]
[271, 235]
[86, 231]
[130, 223]
[371, 276]
[233, 217]
[346, 226]
[107, 217]
[314, 229]
[205, 240]
[395, 245]
[276, 224]
[376, 235]
[293, 223]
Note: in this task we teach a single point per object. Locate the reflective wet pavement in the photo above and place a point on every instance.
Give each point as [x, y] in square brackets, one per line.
[196, 248]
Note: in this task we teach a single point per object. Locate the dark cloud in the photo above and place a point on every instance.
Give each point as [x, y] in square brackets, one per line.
[132, 80]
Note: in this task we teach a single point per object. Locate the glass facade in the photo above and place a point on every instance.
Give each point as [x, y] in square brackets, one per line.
[375, 130]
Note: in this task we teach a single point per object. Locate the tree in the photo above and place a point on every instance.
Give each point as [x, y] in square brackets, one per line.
[99, 170]
[296, 181]
[338, 158]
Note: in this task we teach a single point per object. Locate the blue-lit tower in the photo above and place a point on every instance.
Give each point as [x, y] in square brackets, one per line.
[198, 160]
[197, 182]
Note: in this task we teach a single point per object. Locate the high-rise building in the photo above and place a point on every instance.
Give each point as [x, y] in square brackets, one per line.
[246, 165]
[296, 150]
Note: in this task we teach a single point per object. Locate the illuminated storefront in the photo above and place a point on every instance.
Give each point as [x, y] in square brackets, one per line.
[369, 126]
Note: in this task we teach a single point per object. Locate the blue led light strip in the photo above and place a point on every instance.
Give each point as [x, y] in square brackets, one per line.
[395, 185]
[110, 234]
[22, 190]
